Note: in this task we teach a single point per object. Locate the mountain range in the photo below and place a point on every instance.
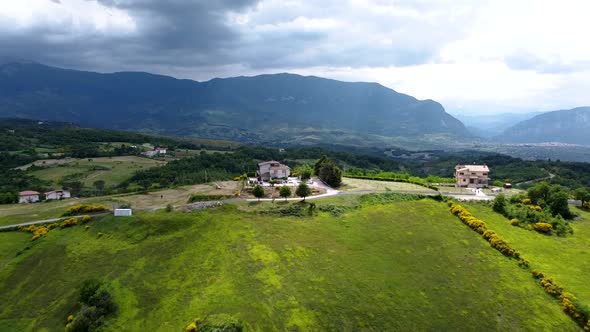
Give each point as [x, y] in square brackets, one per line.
[565, 126]
[284, 107]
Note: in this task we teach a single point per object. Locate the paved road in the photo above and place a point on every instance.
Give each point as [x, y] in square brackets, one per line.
[48, 221]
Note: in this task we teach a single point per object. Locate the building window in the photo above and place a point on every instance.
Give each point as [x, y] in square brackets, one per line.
[461, 173]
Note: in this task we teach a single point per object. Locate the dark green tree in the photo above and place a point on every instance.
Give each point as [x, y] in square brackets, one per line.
[285, 192]
[303, 190]
[500, 204]
[558, 204]
[258, 192]
[318, 164]
[330, 174]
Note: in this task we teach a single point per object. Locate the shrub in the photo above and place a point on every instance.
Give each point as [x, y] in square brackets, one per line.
[204, 198]
[37, 231]
[543, 227]
[69, 223]
[192, 327]
[500, 204]
[169, 208]
[514, 222]
[96, 303]
[84, 208]
[85, 219]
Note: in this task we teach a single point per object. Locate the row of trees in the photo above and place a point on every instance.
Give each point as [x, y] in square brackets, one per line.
[303, 190]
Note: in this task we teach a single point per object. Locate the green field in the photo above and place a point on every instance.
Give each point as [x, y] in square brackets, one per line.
[404, 266]
[565, 259]
[112, 170]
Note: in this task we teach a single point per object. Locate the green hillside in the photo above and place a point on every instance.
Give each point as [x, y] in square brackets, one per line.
[405, 266]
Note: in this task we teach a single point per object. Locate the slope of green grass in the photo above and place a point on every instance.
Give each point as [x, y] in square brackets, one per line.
[403, 266]
[565, 259]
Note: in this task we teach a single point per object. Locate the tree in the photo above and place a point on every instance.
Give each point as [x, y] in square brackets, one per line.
[500, 204]
[303, 171]
[330, 174]
[99, 186]
[582, 194]
[303, 190]
[285, 192]
[258, 192]
[558, 204]
[318, 164]
[539, 194]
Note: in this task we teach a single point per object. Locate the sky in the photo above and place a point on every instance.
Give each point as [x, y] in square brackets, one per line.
[473, 56]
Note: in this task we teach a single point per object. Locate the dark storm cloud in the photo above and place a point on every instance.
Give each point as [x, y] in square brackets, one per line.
[199, 34]
[177, 32]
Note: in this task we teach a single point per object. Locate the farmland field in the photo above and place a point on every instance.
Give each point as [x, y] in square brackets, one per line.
[112, 170]
[18, 213]
[379, 186]
[403, 266]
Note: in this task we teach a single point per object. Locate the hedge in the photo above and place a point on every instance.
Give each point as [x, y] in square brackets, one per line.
[489, 235]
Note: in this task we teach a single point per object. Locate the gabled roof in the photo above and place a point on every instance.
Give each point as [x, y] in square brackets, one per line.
[28, 193]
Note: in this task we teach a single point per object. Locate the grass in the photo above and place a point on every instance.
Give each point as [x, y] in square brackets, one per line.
[402, 266]
[566, 259]
[111, 170]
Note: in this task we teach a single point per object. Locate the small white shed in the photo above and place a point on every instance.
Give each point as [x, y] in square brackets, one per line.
[122, 212]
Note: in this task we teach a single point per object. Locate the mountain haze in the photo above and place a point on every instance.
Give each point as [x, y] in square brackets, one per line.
[565, 126]
[241, 108]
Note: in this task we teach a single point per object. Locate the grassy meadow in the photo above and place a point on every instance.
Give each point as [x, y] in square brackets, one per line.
[565, 259]
[404, 266]
[112, 170]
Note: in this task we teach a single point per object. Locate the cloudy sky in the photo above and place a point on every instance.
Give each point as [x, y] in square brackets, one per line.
[470, 55]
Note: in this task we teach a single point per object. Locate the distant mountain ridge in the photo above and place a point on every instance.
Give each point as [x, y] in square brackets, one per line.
[258, 108]
[564, 126]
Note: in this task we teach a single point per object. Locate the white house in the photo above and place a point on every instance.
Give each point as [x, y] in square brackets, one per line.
[28, 196]
[272, 170]
[155, 152]
[472, 176]
[57, 194]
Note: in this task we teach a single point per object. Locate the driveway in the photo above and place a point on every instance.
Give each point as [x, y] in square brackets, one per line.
[316, 183]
